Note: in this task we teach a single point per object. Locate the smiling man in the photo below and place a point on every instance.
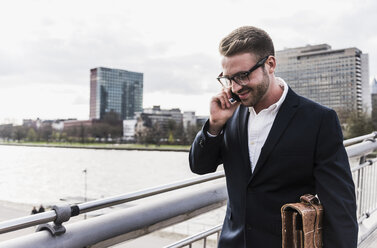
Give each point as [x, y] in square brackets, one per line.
[275, 146]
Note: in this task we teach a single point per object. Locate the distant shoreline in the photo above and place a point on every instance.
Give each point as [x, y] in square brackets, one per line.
[163, 148]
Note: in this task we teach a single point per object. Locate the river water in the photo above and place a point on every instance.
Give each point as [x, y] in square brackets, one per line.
[39, 175]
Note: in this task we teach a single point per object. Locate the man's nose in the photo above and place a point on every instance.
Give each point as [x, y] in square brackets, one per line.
[236, 87]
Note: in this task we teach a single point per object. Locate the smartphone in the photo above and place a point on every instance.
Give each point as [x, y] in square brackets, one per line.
[234, 98]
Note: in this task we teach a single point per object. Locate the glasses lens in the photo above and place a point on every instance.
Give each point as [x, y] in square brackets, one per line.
[225, 81]
[242, 78]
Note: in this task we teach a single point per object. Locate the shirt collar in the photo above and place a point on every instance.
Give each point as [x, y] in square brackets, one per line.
[276, 106]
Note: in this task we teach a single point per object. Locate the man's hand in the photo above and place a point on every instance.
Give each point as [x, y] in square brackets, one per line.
[221, 110]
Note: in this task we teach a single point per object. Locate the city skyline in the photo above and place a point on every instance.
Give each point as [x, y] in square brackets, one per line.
[48, 47]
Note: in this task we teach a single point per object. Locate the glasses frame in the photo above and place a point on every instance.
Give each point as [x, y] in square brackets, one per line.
[246, 73]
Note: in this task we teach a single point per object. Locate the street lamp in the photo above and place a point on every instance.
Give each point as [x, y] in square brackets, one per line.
[86, 187]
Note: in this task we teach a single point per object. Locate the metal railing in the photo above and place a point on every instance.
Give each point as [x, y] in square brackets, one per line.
[201, 236]
[365, 176]
[41, 218]
[136, 221]
[122, 225]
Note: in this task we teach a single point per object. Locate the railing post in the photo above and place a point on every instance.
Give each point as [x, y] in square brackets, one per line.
[361, 187]
[369, 190]
[358, 193]
[374, 187]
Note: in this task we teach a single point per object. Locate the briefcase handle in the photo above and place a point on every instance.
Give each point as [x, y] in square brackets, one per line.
[310, 199]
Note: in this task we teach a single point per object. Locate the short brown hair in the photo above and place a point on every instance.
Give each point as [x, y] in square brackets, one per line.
[247, 39]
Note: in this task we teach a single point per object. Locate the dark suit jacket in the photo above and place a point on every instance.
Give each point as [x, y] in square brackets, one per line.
[303, 153]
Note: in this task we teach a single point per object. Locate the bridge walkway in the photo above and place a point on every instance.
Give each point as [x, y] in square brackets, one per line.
[370, 242]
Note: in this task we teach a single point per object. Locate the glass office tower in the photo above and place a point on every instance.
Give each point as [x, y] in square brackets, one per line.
[338, 79]
[114, 90]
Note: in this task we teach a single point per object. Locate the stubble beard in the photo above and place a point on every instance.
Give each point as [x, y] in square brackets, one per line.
[257, 92]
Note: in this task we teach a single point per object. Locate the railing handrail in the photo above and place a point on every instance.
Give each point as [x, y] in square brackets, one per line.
[362, 148]
[129, 223]
[369, 162]
[115, 200]
[41, 218]
[358, 139]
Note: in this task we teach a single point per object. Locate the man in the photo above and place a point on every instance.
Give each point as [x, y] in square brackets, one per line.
[34, 210]
[275, 146]
[41, 209]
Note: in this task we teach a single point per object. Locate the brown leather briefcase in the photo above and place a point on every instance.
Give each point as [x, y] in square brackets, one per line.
[302, 223]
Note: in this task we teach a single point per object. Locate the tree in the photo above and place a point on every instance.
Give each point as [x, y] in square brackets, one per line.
[63, 136]
[171, 138]
[56, 135]
[343, 115]
[31, 135]
[358, 124]
[19, 133]
[191, 132]
[179, 133]
[71, 133]
[104, 130]
[154, 134]
[6, 131]
[46, 132]
[82, 133]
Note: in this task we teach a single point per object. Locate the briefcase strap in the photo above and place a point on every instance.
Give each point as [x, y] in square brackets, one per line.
[314, 202]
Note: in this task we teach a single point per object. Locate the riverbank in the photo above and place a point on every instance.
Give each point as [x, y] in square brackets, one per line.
[137, 147]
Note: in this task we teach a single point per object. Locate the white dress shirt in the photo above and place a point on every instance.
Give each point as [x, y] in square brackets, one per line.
[259, 125]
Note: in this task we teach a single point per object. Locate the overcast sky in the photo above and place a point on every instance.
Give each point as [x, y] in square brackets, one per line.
[47, 47]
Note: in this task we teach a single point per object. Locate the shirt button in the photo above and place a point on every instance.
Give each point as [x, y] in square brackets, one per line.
[252, 143]
[248, 227]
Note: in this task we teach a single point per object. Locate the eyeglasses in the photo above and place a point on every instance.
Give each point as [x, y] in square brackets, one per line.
[241, 78]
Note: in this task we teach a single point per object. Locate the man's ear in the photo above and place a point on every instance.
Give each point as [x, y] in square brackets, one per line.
[271, 61]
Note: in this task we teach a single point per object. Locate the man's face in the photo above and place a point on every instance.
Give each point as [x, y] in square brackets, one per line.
[256, 89]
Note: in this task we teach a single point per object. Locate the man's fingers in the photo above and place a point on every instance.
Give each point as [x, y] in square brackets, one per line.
[222, 100]
[228, 92]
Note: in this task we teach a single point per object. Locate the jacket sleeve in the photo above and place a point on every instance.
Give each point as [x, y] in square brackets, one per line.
[334, 185]
[205, 152]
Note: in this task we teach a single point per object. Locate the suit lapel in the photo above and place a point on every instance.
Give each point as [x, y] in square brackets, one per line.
[243, 135]
[283, 117]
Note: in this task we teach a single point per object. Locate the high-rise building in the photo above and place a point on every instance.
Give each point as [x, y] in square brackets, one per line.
[115, 91]
[338, 79]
